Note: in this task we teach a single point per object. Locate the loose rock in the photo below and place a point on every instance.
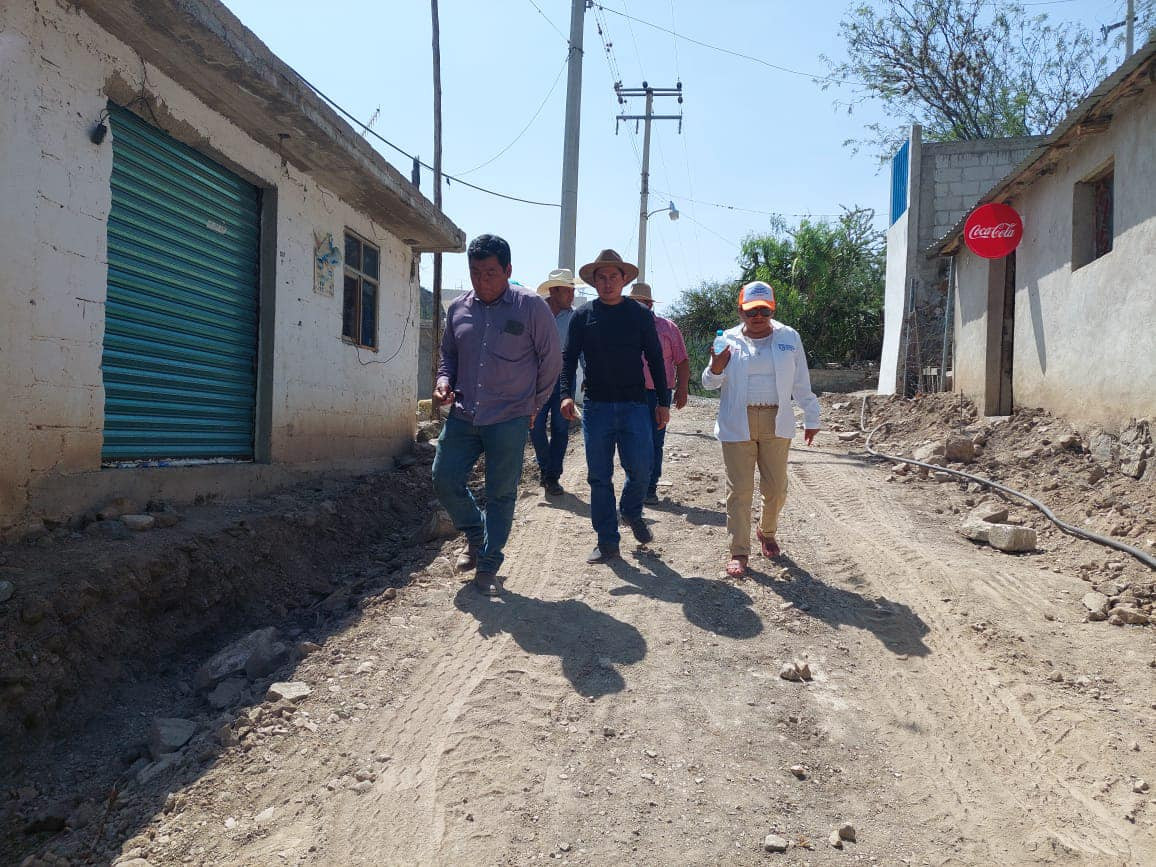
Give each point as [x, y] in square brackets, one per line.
[169, 734]
[799, 771]
[847, 832]
[835, 840]
[226, 693]
[1011, 539]
[293, 691]
[7, 590]
[234, 658]
[138, 523]
[775, 843]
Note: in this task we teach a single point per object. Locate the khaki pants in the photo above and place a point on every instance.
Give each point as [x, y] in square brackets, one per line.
[769, 452]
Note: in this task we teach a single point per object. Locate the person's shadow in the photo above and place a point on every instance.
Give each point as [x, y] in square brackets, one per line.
[899, 628]
[693, 514]
[709, 604]
[590, 643]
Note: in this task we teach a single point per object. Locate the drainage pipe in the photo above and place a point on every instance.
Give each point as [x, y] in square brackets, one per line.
[1070, 529]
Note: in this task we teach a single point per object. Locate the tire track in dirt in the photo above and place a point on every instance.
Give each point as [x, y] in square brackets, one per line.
[972, 722]
[402, 820]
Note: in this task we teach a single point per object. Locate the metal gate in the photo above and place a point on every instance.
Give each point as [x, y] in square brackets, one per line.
[180, 343]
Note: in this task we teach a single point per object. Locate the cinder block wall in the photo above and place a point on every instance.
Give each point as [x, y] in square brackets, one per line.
[326, 405]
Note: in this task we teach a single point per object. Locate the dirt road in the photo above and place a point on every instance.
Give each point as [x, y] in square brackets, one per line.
[633, 713]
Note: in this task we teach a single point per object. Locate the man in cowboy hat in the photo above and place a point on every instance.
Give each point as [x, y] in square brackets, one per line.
[499, 361]
[677, 366]
[558, 290]
[612, 335]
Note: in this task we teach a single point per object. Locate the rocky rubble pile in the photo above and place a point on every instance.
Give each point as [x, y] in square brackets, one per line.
[1100, 480]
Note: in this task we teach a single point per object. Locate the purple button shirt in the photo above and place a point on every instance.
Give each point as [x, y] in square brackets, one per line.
[501, 359]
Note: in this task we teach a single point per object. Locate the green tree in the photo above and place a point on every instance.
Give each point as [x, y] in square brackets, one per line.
[965, 69]
[828, 280]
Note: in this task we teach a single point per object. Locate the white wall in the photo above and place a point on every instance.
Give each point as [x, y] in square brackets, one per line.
[894, 298]
[1085, 346]
[57, 69]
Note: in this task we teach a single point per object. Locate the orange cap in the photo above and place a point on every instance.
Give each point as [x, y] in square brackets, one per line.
[756, 294]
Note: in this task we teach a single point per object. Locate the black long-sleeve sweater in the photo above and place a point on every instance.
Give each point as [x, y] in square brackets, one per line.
[612, 338]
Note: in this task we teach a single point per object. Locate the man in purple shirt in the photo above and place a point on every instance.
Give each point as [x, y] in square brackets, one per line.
[500, 358]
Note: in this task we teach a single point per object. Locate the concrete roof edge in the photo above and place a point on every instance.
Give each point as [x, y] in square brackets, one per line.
[1146, 54]
[260, 93]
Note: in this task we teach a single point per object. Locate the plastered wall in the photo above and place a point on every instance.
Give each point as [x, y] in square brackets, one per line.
[320, 405]
[1084, 342]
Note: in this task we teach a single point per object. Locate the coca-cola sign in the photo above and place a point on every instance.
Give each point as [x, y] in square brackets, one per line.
[993, 230]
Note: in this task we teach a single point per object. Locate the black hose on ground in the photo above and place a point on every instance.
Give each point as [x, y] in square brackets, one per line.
[1072, 530]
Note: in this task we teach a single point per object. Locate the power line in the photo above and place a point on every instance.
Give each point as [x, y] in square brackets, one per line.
[404, 153]
[680, 198]
[730, 51]
[551, 23]
[529, 123]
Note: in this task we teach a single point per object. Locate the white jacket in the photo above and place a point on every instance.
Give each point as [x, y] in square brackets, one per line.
[791, 377]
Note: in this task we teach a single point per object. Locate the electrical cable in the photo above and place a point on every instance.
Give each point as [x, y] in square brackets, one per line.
[529, 123]
[731, 52]
[551, 23]
[1070, 529]
[447, 177]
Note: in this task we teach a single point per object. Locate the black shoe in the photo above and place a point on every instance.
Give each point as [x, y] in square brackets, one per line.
[553, 489]
[651, 498]
[601, 554]
[641, 531]
[487, 584]
[468, 559]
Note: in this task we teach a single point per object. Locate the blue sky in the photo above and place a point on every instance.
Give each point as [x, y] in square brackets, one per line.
[753, 137]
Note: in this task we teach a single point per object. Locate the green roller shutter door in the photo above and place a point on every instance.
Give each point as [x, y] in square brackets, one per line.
[180, 344]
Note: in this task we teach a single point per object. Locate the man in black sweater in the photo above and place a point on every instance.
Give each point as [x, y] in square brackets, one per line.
[611, 334]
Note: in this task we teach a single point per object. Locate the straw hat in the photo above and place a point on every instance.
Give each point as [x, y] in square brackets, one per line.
[641, 292]
[608, 258]
[558, 277]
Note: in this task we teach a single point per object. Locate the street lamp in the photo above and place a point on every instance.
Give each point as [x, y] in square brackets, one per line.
[642, 236]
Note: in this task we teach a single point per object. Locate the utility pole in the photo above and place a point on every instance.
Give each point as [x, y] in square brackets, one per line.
[435, 411]
[1129, 28]
[568, 227]
[650, 93]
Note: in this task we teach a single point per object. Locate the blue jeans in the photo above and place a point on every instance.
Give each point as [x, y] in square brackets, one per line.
[659, 440]
[459, 447]
[625, 427]
[550, 453]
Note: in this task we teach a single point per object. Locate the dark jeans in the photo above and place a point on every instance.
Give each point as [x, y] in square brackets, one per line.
[625, 427]
[550, 453]
[659, 440]
[459, 447]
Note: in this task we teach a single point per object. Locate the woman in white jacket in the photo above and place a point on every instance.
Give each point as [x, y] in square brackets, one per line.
[760, 372]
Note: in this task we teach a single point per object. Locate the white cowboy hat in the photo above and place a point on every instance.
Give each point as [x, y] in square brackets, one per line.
[558, 277]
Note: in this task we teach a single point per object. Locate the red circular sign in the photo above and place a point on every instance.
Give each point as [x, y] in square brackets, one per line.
[993, 230]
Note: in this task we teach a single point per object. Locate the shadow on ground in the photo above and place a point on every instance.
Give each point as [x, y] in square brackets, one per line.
[693, 514]
[709, 604]
[589, 643]
[899, 628]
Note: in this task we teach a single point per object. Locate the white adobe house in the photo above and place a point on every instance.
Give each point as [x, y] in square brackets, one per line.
[208, 279]
[1067, 322]
[933, 185]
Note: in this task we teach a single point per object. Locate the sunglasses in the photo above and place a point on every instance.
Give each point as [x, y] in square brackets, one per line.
[757, 311]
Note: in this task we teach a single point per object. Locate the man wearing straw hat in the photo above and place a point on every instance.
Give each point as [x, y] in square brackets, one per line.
[558, 290]
[612, 335]
[677, 366]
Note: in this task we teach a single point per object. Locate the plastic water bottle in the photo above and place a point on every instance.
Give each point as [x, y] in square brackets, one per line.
[720, 342]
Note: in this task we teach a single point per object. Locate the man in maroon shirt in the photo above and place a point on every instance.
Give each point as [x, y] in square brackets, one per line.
[500, 358]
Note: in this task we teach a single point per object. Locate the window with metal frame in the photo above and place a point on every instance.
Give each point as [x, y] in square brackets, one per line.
[359, 299]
